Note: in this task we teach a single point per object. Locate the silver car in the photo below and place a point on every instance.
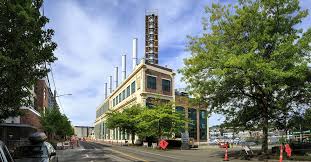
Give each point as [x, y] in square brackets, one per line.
[40, 152]
[5, 155]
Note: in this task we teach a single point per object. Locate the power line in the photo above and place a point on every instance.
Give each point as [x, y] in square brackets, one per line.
[60, 104]
[53, 78]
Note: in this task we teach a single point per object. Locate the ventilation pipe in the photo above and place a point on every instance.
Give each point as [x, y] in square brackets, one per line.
[106, 90]
[123, 67]
[110, 84]
[134, 53]
[116, 76]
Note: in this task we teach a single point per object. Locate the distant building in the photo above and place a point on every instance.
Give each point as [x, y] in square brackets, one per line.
[84, 131]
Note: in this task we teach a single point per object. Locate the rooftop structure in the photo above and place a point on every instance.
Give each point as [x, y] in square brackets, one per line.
[151, 37]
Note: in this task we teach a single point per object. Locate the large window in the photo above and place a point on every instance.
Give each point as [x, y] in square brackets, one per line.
[128, 91]
[180, 109]
[203, 125]
[133, 87]
[192, 116]
[166, 85]
[123, 95]
[151, 82]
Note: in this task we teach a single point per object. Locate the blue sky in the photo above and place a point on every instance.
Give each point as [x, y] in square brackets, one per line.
[93, 34]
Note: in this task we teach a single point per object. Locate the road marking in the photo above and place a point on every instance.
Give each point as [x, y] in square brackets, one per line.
[137, 150]
[172, 157]
[139, 159]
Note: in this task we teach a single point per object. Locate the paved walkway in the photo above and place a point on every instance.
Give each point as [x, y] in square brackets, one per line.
[206, 154]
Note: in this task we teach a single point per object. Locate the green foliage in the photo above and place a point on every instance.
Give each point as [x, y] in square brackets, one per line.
[55, 123]
[126, 120]
[158, 121]
[300, 121]
[251, 62]
[25, 47]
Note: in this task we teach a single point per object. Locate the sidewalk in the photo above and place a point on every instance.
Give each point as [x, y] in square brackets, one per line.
[203, 153]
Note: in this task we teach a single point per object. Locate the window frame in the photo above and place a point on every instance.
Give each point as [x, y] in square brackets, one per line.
[133, 87]
[123, 95]
[147, 81]
[169, 89]
[128, 91]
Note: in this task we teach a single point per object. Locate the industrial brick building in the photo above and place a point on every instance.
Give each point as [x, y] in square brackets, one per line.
[147, 81]
[29, 122]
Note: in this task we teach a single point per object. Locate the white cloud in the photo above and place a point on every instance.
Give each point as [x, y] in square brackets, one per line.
[91, 37]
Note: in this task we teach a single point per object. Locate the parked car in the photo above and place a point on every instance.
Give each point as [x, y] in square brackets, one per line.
[247, 143]
[213, 142]
[40, 152]
[5, 155]
[236, 141]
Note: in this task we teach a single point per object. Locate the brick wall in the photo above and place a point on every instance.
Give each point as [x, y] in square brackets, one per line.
[30, 118]
[159, 76]
[42, 93]
[182, 101]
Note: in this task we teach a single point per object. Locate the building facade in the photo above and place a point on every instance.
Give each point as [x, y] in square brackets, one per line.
[146, 82]
[83, 131]
[41, 99]
[16, 130]
[197, 115]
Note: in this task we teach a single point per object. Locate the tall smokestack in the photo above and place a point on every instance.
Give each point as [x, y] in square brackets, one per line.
[123, 67]
[116, 76]
[106, 90]
[110, 84]
[134, 53]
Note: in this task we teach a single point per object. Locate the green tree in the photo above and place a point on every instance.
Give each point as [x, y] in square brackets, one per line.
[160, 120]
[307, 119]
[300, 121]
[126, 120]
[250, 63]
[55, 124]
[25, 48]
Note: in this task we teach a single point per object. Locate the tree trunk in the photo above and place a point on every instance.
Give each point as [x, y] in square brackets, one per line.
[133, 138]
[265, 130]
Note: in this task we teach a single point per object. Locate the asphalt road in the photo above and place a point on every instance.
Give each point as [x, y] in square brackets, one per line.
[92, 152]
[98, 152]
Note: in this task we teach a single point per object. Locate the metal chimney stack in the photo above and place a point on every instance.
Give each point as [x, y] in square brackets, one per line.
[110, 84]
[116, 76]
[106, 90]
[123, 67]
[134, 53]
